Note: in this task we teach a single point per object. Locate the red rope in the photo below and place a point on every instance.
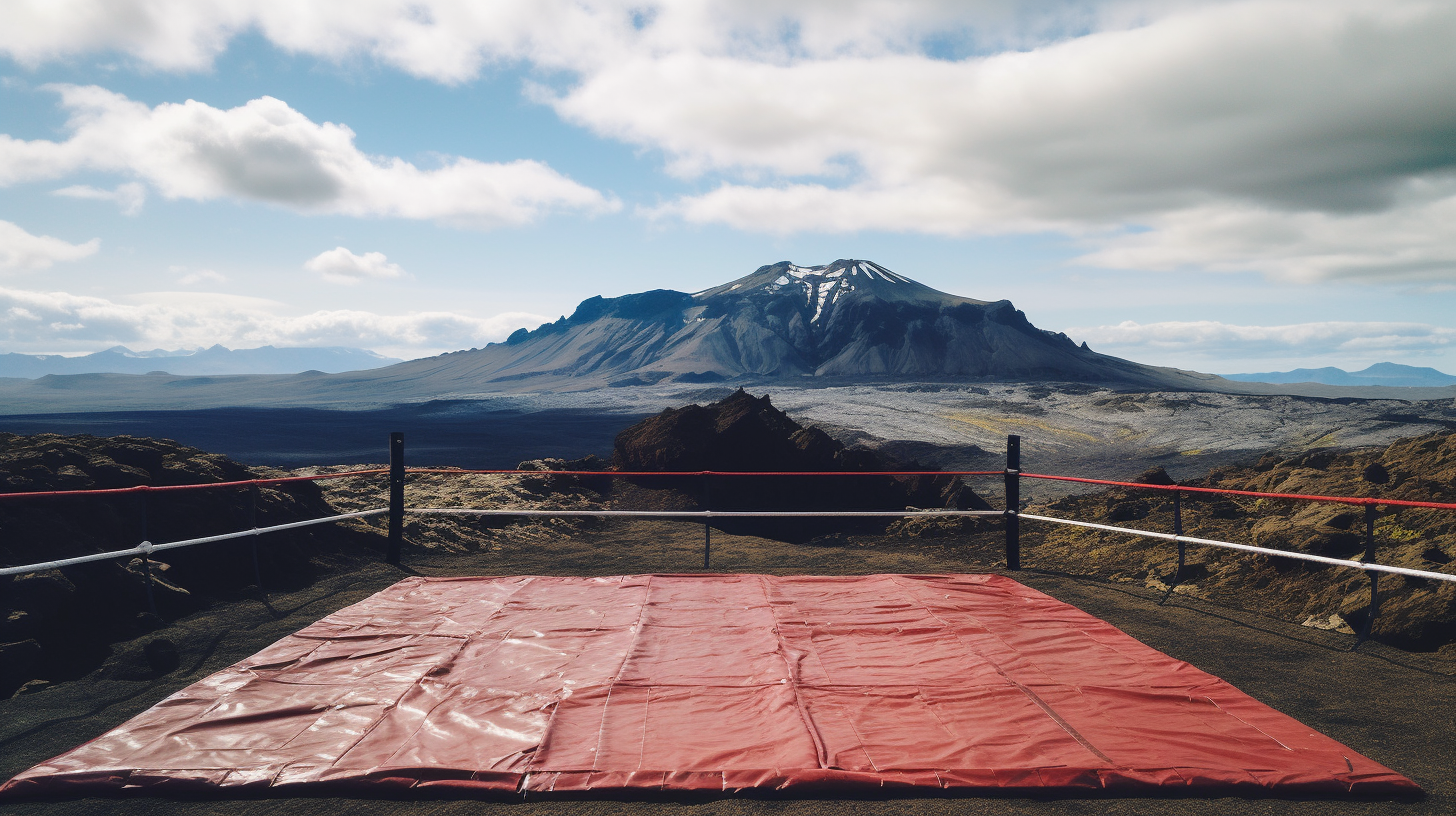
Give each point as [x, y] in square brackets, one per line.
[203, 486]
[458, 471]
[1352, 500]
[1221, 491]
[1335, 499]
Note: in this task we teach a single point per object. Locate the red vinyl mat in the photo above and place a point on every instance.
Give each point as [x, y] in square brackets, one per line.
[499, 687]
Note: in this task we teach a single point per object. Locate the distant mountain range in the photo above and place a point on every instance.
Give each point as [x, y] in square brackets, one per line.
[848, 320]
[216, 360]
[1389, 374]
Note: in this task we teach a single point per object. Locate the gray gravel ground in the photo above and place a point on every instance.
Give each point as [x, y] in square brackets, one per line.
[1065, 428]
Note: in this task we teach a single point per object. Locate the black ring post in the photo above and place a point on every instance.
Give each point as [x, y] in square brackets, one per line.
[1013, 502]
[147, 571]
[396, 496]
[707, 524]
[142, 497]
[1369, 628]
[253, 525]
[1182, 547]
[1178, 527]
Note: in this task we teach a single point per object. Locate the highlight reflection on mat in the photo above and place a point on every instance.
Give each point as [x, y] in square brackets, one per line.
[499, 686]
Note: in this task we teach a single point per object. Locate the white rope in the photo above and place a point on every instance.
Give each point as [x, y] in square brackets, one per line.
[1319, 559]
[147, 547]
[710, 514]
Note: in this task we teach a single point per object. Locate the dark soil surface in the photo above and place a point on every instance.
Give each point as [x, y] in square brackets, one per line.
[1395, 707]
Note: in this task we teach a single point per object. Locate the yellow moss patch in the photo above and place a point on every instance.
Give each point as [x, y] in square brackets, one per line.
[1390, 530]
[1327, 440]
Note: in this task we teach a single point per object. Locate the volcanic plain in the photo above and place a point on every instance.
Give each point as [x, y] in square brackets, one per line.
[1281, 632]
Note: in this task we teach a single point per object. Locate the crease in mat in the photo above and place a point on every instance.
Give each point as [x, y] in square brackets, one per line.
[618, 686]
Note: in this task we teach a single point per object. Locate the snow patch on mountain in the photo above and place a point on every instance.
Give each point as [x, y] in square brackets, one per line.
[821, 287]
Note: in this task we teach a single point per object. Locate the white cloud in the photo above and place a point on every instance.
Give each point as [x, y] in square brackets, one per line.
[1275, 101]
[435, 331]
[339, 265]
[1230, 347]
[1165, 134]
[447, 41]
[1331, 123]
[939, 207]
[129, 197]
[266, 151]
[196, 276]
[21, 250]
[1302, 140]
[176, 35]
[60, 321]
[454, 40]
[1413, 241]
[444, 40]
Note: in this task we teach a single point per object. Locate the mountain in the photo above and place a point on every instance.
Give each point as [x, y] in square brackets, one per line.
[851, 322]
[848, 320]
[214, 360]
[1388, 374]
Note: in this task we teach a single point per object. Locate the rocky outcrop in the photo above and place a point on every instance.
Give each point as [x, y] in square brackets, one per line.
[744, 433]
[71, 614]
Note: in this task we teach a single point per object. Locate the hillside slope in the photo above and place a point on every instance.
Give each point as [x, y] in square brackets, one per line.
[1413, 613]
[216, 360]
[57, 623]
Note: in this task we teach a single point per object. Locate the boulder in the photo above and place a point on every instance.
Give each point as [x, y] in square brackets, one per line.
[546, 485]
[738, 433]
[1154, 476]
[745, 433]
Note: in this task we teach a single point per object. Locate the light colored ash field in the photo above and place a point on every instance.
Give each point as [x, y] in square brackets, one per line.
[1092, 431]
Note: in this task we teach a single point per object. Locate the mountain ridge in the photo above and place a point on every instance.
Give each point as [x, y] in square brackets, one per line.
[781, 326]
[847, 319]
[1394, 375]
[215, 360]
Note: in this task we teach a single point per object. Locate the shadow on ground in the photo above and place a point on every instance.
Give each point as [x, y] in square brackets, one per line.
[459, 433]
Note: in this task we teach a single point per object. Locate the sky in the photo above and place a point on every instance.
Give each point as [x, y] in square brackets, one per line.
[1220, 186]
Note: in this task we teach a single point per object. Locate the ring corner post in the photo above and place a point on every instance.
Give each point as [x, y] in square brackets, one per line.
[1178, 531]
[1013, 502]
[144, 496]
[1367, 630]
[396, 497]
[1182, 568]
